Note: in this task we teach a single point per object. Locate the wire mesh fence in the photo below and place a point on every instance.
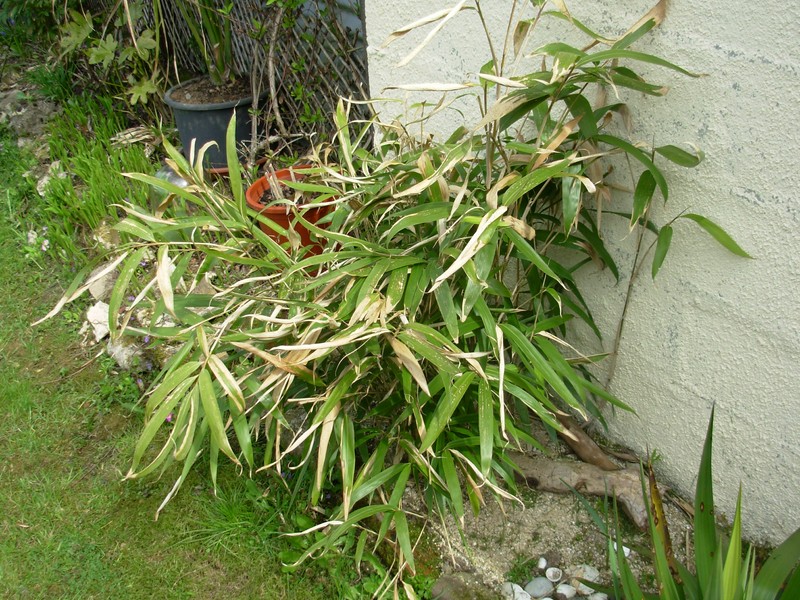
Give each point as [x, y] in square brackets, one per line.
[306, 58]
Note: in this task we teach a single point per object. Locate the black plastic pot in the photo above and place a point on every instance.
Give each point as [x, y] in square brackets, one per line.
[209, 123]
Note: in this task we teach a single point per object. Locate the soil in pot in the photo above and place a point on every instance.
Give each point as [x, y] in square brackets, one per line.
[200, 91]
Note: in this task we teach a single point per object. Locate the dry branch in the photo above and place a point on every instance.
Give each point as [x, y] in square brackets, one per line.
[552, 475]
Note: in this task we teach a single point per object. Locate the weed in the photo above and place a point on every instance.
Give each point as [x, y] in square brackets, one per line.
[522, 569]
[54, 82]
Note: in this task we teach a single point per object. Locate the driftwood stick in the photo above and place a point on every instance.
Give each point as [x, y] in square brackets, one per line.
[551, 475]
[584, 446]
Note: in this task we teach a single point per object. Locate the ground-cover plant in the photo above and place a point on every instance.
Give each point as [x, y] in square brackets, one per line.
[420, 344]
[86, 187]
[119, 53]
[719, 571]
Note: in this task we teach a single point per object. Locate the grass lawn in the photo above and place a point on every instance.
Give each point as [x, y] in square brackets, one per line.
[70, 527]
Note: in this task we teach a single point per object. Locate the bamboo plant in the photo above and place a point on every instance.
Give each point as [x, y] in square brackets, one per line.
[420, 345]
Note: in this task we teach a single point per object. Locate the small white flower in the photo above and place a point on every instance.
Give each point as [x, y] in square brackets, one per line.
[32, 237]
[45, 245]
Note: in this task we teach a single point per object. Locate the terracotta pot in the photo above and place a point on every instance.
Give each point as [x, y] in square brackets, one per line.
[282, 215]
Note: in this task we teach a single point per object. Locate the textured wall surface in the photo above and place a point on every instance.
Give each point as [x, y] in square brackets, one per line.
[713, 328]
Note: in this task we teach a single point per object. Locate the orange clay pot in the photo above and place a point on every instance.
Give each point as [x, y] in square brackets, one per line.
[281, 214]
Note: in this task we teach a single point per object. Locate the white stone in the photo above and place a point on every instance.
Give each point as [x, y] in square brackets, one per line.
[566, 590]
[598, 596]
[554, 574]
[126, 353]
[101, 289]
[538, 587]
[512, 591]
[97, 316]
[542, 564]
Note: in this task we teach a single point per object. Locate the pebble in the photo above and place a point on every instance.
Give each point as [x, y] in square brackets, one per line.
[542, 565]
[512, 591]
[554, 574]
[539, 587]
[566, 590]
[598, 596]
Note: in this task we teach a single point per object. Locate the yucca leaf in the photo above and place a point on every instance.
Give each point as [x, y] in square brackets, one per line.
[731, 571]
[777, 568]
[706, 543]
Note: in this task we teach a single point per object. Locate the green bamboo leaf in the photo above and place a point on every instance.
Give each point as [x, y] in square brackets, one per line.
[662, 247]
[379, 479]
[418, 280]
[394, 500]
[396, 287]
[642, 195]
[234, 167]
[213, 415]
[524, 185]
[136, 229]
[153, 424]
[617, 53]
[705, 532]
[172, 379]
[486, 425]
[526, 252]
[334, 395]
[777, 568]
[717, 233]
[571, 191]
[192, 455]
[120, 290]
[453, 486]
[444, 298]
[404, 539]
[531, 355]
[580, 107]
[445, 408]
[347, 459]
[641, 157]
[680, 156]
[634, 35]
[227, 381]
[419, 215]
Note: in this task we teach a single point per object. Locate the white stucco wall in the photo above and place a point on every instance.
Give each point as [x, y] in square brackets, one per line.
[713, 327]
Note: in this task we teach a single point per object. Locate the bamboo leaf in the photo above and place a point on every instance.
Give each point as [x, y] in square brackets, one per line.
[453, 486]
[214, 416]
[486, 425]
[680, 156]
[662, 247]
[404, 539]
[445, 408]
[717, 233]
[642, 195]
[410, 362]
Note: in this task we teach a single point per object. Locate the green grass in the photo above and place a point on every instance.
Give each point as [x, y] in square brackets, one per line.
[71, 528]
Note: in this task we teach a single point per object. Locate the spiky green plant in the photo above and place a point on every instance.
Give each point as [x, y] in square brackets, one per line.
[719, 570]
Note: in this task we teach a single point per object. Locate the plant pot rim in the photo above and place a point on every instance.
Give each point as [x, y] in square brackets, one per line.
[172, 103]
[260, 185]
